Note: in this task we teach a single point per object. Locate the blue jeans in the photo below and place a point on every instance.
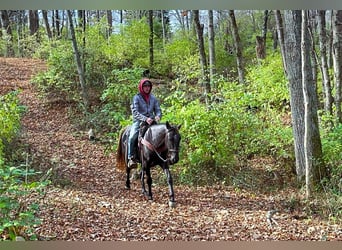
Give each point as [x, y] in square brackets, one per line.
[133, 137]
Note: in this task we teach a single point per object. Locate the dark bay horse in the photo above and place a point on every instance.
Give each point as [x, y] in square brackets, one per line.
[158, 146]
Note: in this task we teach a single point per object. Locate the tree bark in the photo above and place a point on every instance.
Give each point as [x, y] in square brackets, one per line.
[292, 42]
[7, 27]
[33, 21]
[337, 60]
[238, 48]
[211, 36]
[280, 31]
[322, 34]
[47, 25]
[150, 22]
[200, 41]
[78, 62]
[109, 15]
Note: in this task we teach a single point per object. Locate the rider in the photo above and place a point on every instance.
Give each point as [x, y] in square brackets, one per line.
[145, 108]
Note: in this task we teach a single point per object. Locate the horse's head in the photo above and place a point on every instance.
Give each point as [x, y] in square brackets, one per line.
[172, 141]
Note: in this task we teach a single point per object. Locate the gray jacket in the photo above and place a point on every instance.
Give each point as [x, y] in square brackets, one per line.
[142, 110]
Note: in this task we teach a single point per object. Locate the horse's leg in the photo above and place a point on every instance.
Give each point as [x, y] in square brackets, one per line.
[172, 202]
[142, 179]
[149, 183]
[128, 182]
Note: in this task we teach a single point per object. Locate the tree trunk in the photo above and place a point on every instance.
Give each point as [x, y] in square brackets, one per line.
[306, 78]
[322, 34]
[260, 48]
[110, 22]
[337, 60]
[47, 25]
[294, 74]
[280, 31]
[33, 21]
[150, 22]
[212, 60]
[57, 24]
[314, 169]
[200, 42]
[238, 48]
[78, 62]
[7, 27]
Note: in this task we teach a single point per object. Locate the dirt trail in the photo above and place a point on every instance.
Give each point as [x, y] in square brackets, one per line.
[91, 203]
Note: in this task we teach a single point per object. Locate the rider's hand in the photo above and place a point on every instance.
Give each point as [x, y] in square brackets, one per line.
[149, 121]
[157, 119]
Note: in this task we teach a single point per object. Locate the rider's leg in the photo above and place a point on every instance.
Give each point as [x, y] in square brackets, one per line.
[132, 139]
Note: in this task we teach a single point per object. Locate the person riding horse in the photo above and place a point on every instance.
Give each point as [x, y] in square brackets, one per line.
[145, 110]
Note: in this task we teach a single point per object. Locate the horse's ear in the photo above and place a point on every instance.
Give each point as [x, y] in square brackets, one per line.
[168, 126]
[179, 126]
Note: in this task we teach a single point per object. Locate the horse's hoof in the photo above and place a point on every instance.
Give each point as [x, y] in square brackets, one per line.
[127, 188]
[172, 204]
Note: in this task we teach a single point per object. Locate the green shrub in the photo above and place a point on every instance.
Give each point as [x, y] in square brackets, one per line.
[332, 154]
[10, 114]
[17, 210]
[267, 83]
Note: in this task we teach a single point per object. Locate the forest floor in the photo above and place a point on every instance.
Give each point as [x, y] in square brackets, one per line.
[89, 201]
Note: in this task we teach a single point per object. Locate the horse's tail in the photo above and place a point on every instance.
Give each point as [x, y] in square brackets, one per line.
[120, 154]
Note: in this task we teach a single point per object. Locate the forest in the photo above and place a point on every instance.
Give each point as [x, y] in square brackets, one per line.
[257, 94]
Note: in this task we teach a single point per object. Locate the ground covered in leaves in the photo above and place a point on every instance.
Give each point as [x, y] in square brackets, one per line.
[87, 199]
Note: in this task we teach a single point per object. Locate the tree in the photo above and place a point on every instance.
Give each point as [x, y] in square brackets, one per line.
[292, 56]
[150, 23]
[280, 32]
[78, 62]
[211, 36]
[238, 48]
[110, 22]
[337, 59]
[200, 42]
[47, 25]
[303, 98]
[33, 21]
[312, 141]
[6, 24]
[322, 34]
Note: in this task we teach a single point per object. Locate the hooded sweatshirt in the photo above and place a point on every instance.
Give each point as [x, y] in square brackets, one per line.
[145, 105]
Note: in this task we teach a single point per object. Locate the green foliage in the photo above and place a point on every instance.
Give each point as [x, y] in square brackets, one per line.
[117, 96]
[267, 83]
[332, 154]
[61, 75]
[17, 211]
[182, 57]
[130, 47]
[215, 138]
[10, 111]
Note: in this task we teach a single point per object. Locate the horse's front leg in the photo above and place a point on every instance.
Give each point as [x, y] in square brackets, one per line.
[142, 179]
[172, 202]
[128, 182]
[149, 183]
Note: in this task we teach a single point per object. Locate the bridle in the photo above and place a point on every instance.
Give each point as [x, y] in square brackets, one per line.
[159, 149]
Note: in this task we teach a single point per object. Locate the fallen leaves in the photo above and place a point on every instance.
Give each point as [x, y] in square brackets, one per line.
[89, 202]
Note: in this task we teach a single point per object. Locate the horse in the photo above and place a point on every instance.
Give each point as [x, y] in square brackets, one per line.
[158, 146]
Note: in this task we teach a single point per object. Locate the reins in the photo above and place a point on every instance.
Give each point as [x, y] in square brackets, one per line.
[154, 149]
